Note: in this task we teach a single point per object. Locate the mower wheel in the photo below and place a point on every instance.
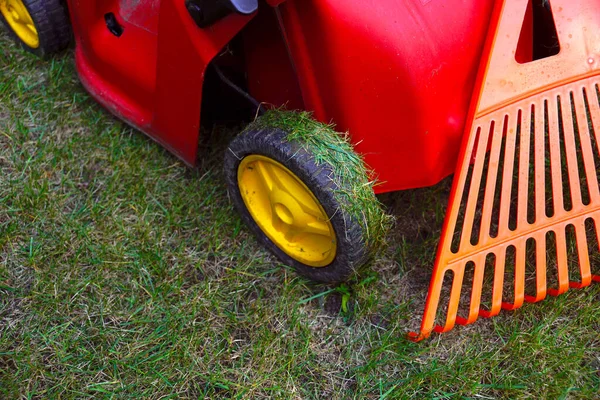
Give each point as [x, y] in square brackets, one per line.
[40, 26]
[289, 196]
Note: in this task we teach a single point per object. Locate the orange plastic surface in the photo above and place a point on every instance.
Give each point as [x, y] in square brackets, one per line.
[527, 175]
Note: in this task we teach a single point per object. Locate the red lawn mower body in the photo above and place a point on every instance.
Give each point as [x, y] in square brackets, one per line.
[397, 74]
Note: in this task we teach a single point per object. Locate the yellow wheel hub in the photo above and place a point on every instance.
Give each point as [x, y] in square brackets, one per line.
[20, 21]
[286, 211]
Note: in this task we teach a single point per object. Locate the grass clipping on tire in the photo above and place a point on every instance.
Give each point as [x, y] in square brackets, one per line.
[355, 189]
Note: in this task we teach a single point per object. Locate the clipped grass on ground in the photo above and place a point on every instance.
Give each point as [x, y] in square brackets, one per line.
[124, 273]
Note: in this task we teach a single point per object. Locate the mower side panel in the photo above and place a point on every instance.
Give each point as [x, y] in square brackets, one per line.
[152, 75]
[397, 74]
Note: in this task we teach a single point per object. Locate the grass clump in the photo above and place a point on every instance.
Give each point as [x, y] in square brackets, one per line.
[354, 180]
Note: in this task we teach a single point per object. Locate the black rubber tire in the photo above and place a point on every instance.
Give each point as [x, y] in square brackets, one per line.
[352, 252]
[51, 20]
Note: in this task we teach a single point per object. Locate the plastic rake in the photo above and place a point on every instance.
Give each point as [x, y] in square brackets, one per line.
[527, 177]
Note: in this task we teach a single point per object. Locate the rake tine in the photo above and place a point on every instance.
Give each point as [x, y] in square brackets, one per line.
[492, 176]
[595, 218]
[540, 270]
[570, 147]
[431, 306]
[476, 291]
[540, 165]
[524, 163]
[481, 149]
[519, 284]
[509, 161]
[555, 164]
[461, 181]
[593, 103]
[561, 263]
[585, 138]
[584, 258]
[498, 287]
[454, 301]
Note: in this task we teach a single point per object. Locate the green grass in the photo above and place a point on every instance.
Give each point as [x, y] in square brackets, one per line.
[355, 182]
[124, 273]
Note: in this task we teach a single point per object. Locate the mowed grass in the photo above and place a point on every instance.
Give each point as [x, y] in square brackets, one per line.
[125, 274]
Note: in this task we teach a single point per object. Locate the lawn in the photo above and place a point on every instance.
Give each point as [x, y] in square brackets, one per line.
[124, 273]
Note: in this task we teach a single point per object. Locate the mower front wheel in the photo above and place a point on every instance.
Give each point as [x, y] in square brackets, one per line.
[297, 203]
[40, 26]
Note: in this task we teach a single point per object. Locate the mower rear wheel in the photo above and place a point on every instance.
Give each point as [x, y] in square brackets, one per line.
[40, 26]
[291, 200]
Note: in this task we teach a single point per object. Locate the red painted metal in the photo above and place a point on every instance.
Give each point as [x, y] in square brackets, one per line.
[398, 75]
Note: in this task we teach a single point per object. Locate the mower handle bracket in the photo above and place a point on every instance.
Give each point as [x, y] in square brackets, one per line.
[207, 12]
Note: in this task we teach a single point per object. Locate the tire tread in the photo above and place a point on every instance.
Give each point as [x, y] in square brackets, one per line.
[52, 23]
[351, 237]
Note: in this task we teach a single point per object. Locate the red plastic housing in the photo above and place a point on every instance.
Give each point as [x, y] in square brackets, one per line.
[152, 75]
[398, 75]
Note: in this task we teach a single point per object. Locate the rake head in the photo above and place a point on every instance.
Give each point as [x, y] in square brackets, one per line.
[526, 192]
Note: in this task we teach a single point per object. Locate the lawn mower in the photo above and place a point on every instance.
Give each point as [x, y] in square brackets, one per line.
[423, 88]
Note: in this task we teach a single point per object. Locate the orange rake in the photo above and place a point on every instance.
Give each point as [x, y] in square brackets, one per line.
[527, 173]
